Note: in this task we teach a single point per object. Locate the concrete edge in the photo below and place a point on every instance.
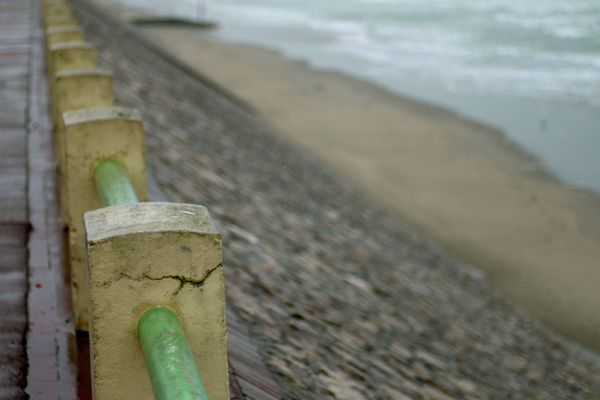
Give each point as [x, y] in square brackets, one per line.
[151, 217]
[86, 115]
[67, 73]
[72, 45]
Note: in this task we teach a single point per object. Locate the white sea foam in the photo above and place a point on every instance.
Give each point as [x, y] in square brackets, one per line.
[474, 39]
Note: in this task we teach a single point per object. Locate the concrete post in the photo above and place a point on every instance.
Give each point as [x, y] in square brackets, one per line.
[52, 14]
[80, 88]
[67, 56]
[56, 10]
[71, 55]
[148, 254]
[61, 34]
[91, 135]
[74, 90]
[58, 21]
[46, 3]
[52, 3]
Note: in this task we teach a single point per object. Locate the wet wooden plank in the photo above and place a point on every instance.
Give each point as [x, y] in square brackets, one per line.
[15, 23]
[51, 336]
[13, 324]
[13, 181]
[14, 59]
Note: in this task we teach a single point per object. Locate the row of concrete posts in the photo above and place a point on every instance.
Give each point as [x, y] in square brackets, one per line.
[147, 278]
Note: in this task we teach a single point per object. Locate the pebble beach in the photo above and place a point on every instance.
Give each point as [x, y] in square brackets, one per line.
[344, 297]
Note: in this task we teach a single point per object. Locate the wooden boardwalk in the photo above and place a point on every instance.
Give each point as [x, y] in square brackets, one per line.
[51, 334]
[15, 27]
[37, 338]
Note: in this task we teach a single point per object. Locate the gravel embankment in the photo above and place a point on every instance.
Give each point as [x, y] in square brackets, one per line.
[344, 301]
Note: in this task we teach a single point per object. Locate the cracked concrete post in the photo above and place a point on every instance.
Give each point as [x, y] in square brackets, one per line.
[91, 135]
[75, 90]
[148, 254]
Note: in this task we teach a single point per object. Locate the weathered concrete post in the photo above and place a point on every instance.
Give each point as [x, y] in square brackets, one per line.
[91, 135]
[71, 55]
[55, 9]
[145, 255]
[80, 88]
[57, 14]
[68, 56]
[59, 21]
[51, 3]
[50, 10]
[62, 34]
[46, 3]
[73, 90]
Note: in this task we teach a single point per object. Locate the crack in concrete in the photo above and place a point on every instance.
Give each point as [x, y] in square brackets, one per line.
[183, 280]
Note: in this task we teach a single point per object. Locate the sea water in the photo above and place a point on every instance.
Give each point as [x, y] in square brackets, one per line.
[528, 67]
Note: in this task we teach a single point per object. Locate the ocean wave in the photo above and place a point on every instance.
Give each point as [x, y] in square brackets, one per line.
[520, 46]
[543, 51]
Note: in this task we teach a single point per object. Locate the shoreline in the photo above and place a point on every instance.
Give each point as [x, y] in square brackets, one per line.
[457, 181]
[306, 254]
[511, 247]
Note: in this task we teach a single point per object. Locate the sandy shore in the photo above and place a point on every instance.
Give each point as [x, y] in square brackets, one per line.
[459, 182]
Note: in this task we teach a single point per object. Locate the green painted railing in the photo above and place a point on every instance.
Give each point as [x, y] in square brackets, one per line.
[112, 184]
[169, 359]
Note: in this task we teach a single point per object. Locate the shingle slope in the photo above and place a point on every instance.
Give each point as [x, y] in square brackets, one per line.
[344, 301]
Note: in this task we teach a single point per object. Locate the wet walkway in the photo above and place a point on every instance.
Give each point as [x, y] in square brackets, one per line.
[15, 51]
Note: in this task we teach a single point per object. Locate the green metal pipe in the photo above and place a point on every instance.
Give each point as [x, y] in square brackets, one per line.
[112, 184]
[168, 356]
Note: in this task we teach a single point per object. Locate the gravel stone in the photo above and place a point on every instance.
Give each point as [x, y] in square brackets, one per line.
[343, 300]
